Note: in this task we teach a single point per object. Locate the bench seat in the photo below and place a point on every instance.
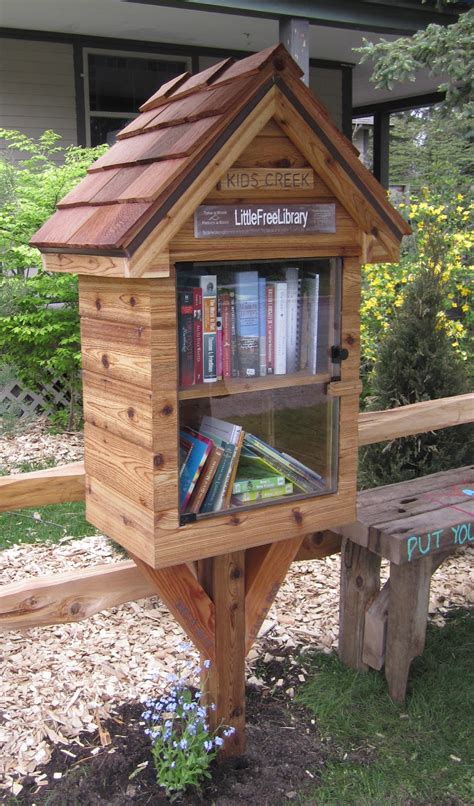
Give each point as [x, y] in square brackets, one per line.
[414, 525]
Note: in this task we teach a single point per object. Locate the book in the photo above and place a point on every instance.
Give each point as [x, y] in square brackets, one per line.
[253, 446]
[262, 324]
[197, 333]
[186, 338]
[262, 495]
[233, 343]
[205, 479]
[229, 483]
[194, 450]
[255, 474]
[291, 273]
[226, 334]
[219, 342]
[208, 284]
[270, 328]
[305, 328]
[227, 436]
[313, 288]
[247, 315]
[280, 319]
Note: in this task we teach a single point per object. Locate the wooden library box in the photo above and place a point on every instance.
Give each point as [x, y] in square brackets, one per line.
[218, 245]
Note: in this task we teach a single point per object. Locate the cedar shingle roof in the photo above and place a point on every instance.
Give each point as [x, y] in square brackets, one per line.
[125, 189]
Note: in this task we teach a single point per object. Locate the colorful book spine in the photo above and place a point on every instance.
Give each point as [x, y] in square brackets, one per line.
[186, 340]
[205, 480]
[233, 343]
[262, 495]
[280, 319]
[213, 499]
[219, 341]
[196, 449]
[262, 322]
[208, 283]
[226, 335]
[248, 335]
[197, 321]
[291, 318]
[270, 328]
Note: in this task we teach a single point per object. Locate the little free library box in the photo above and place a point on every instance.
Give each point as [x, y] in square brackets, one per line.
[218, 245]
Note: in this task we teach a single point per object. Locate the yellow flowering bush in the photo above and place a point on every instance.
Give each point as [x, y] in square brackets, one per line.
[442, 240]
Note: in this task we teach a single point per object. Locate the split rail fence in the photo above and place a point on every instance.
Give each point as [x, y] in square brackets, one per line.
[73, 596]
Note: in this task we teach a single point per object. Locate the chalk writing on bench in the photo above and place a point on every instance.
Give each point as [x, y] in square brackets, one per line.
[421, 545]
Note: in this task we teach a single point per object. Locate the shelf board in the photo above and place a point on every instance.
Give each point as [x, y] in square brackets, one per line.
[236, 386]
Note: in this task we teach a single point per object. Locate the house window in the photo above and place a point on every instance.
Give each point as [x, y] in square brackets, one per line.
[117, 83]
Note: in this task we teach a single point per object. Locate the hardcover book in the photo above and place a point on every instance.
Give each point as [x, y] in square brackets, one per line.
[291, 318]
[194, 450]
[186, 338]
[208, 283]
[280, 320]
[248, 334]
[197, 331]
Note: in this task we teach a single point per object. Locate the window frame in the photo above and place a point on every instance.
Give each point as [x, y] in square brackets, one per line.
[135, 54]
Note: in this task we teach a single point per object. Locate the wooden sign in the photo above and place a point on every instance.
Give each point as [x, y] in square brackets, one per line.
[268, 179]
[247, 220]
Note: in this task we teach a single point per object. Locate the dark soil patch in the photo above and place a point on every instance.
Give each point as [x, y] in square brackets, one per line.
[284, 754]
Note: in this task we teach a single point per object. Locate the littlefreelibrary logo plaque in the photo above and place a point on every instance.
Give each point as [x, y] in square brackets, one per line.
[251, 220]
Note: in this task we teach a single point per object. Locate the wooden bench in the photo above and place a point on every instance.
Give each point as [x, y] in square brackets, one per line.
[414, 525]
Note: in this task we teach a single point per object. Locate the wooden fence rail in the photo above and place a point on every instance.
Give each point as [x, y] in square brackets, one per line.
[79, 594]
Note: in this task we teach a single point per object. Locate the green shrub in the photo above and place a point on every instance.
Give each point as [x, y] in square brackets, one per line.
[39, 319]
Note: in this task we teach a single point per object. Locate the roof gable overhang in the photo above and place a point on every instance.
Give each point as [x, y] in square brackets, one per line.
[189, 133]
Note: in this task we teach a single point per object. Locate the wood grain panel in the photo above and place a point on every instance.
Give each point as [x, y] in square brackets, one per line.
[117, 517]
[96, 265]
[123, 409]
[117, 351]
[126, 301]
[124, 467]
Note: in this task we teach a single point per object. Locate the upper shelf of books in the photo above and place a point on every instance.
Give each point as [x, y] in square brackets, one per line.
[256, 325]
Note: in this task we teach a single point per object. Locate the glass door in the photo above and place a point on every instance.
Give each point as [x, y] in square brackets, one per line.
[256, 425]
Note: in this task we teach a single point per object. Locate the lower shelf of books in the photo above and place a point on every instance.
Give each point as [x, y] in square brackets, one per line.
[264, 447]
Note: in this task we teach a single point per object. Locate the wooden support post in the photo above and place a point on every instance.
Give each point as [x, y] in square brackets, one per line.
[224, 579]
[266, 569]
[407, 617]
[185, 598]
[360, 582]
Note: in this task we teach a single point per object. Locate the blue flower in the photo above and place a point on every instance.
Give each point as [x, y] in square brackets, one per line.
[218, 741]
[183, 744]
[229, 731]
[207, 664]
[207, 745]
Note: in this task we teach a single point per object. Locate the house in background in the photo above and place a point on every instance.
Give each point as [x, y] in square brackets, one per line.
[83, 67]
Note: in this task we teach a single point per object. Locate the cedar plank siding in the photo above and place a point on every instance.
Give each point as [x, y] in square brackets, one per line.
[37, 88]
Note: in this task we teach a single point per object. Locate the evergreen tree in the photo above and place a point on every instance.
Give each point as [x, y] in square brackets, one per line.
[417, 362]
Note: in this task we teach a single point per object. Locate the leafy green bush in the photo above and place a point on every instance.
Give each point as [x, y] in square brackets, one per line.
[39, 319]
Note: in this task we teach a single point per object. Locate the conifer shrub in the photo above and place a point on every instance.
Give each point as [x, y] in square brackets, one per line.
[416, 362]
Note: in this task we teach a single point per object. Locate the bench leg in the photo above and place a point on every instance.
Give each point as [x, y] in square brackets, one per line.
[360, 582]
[407, 617]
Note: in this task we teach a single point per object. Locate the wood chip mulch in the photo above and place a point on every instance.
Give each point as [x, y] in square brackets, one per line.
[57, 682]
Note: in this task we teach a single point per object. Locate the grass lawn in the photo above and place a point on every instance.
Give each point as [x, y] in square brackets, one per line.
[44, 525]
[419, 753]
